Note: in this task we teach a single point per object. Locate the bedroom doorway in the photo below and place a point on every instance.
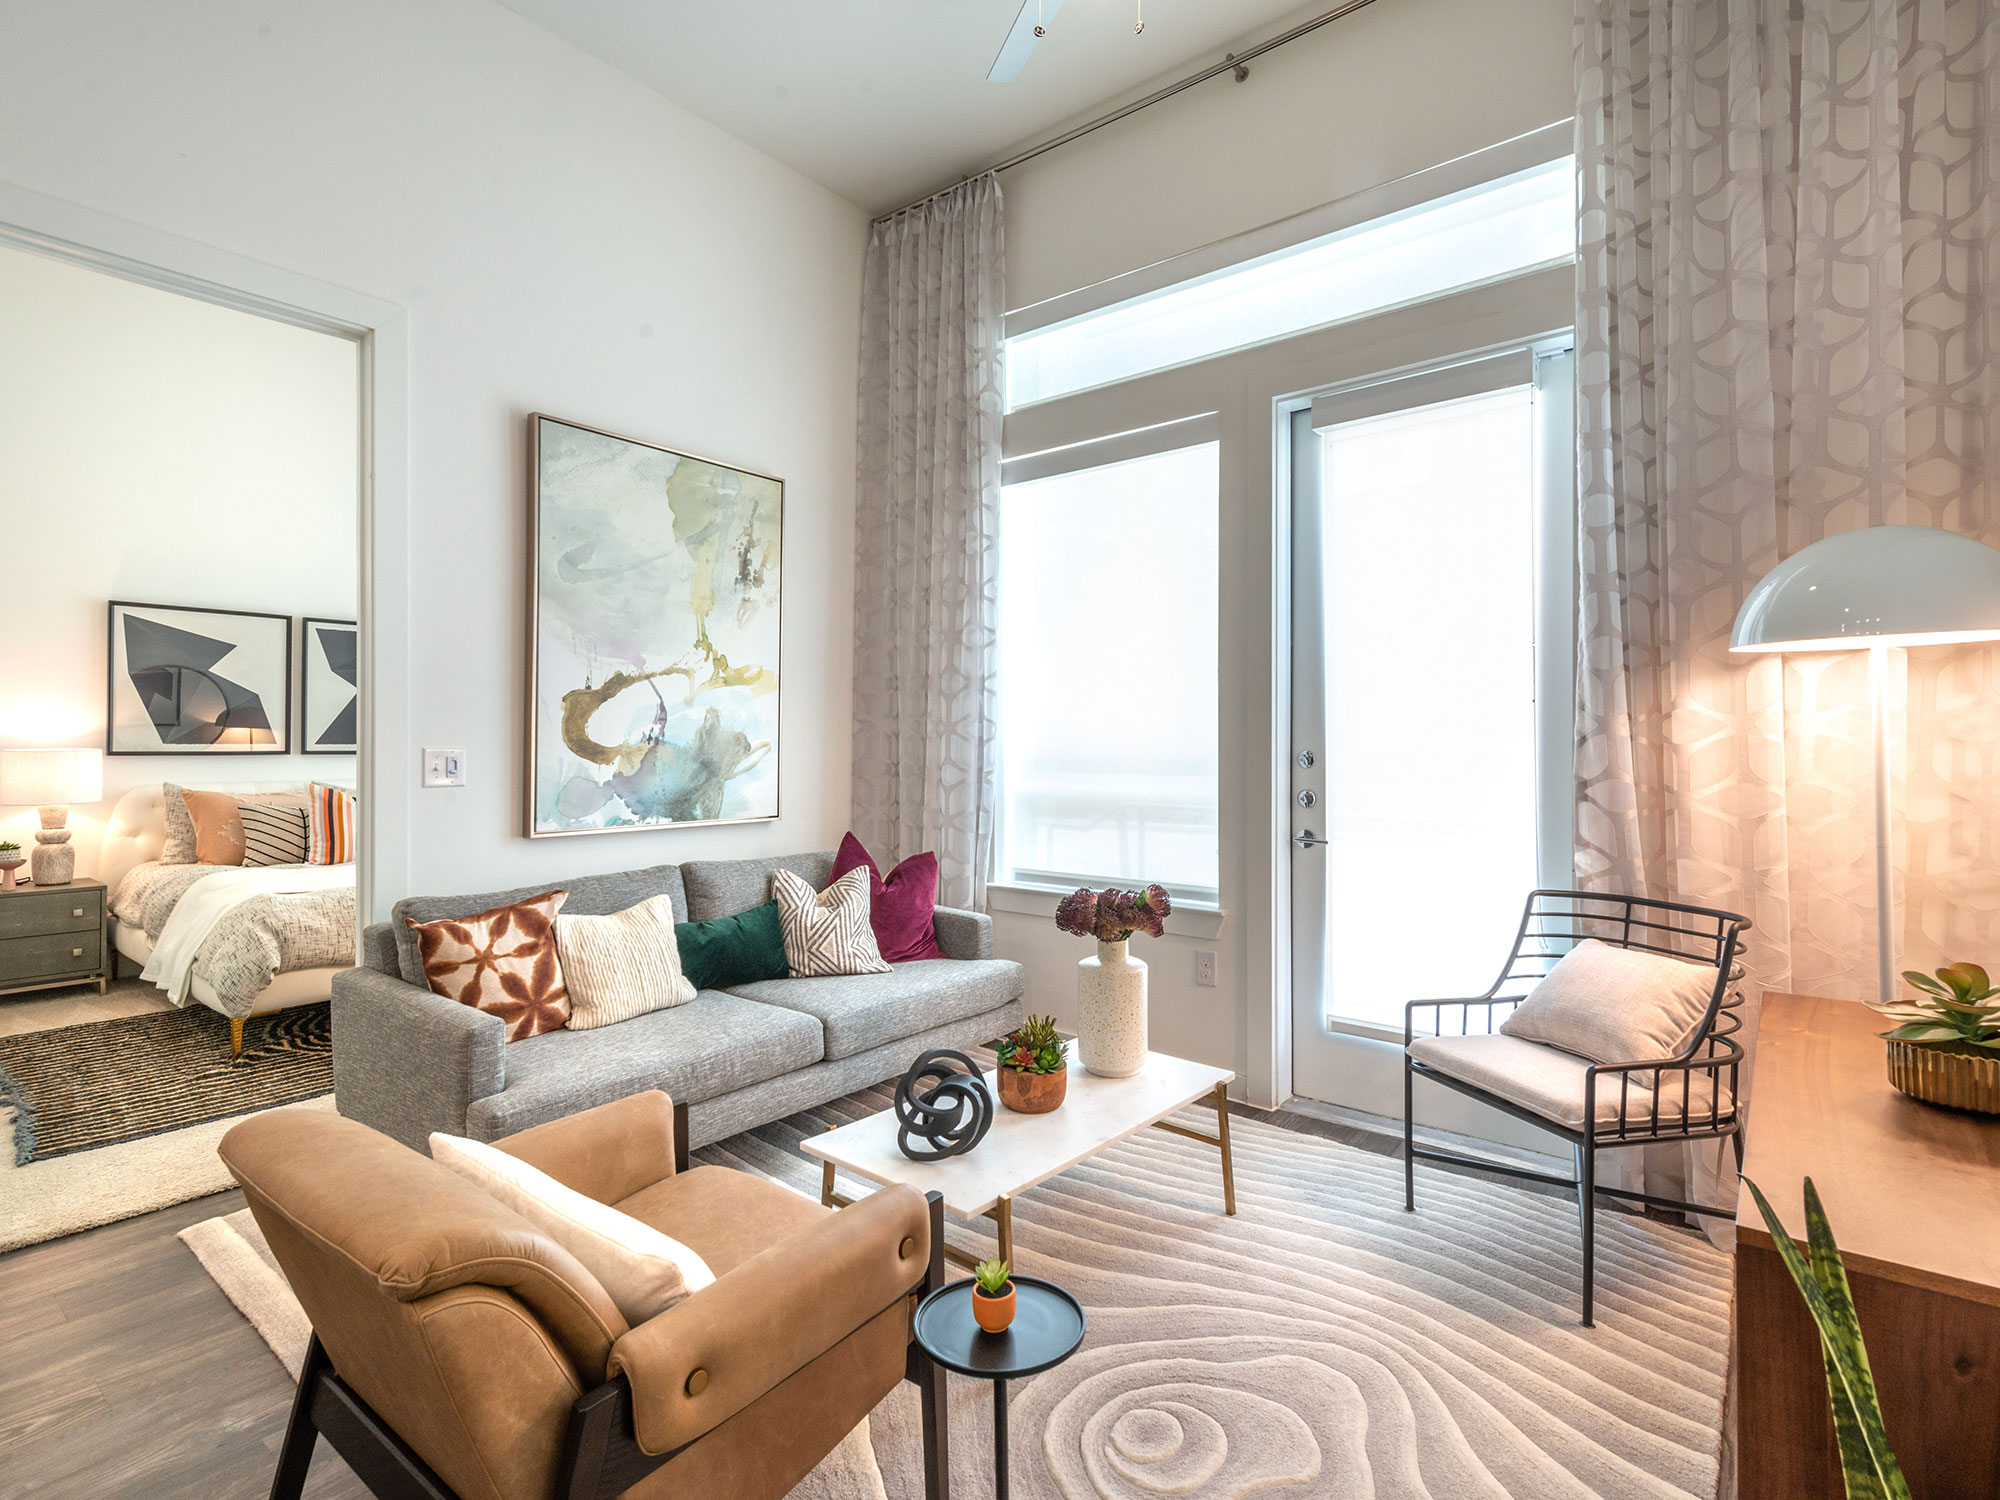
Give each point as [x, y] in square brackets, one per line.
[195, 468]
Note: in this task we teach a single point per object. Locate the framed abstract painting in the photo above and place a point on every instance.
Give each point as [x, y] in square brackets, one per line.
[198, 681]
[653, 635]
[329, 686]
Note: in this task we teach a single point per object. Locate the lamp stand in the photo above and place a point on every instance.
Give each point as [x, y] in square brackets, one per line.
[1885, 887]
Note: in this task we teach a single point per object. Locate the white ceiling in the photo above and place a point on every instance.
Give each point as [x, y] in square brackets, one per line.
[886, 100]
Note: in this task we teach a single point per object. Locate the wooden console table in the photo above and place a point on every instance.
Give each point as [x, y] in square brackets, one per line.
[1913, 1194]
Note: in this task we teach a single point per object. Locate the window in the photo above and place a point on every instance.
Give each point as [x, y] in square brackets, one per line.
[1497, 229]
[1107, 667]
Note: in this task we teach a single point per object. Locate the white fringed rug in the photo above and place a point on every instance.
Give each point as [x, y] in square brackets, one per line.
[1321, 1343]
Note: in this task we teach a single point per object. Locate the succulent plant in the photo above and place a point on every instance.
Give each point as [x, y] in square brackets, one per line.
[1956, 1009]
[8, 846]
[1112, 916]
[992, 1276]
[1035, 1048]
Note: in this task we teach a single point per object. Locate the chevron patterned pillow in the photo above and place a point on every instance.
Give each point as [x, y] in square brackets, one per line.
[827, 932]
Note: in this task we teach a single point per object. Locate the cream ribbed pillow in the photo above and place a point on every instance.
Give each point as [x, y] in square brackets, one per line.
[1613, 1004]
[643, 1271]
[621, 966]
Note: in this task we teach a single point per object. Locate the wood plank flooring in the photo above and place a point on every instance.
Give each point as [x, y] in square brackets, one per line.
[125, 1371]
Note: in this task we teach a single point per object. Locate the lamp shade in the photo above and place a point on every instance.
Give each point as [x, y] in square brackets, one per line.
[1880, 586]
[51, 778]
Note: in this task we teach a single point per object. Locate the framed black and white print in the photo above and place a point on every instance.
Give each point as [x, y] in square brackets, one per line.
[329, 686]
[187, 681]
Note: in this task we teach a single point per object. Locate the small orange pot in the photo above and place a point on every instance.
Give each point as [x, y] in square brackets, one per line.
[994, 1314]
[1033, 1093]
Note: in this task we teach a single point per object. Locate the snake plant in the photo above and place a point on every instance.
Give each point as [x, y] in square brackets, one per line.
[1867, 1465]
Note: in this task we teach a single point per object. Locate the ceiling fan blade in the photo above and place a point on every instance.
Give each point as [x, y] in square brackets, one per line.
[1021, 40]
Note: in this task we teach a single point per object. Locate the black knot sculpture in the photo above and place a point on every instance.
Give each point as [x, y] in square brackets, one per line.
[942, 1106]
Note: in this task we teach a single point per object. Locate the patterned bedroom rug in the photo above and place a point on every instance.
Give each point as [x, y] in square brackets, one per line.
[78, 1088]
[1321, 1343]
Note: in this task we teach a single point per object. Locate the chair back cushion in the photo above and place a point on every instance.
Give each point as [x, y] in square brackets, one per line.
[1613, 1004]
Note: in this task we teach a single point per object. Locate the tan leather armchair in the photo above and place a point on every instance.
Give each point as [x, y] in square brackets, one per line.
[460, 1354]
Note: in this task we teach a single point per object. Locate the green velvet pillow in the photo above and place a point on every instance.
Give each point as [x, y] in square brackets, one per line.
[733, 950]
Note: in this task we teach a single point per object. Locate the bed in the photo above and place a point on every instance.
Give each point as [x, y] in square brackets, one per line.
[263, 939]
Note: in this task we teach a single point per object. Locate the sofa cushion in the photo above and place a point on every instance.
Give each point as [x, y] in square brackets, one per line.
[723, 1215]
[1549, 1083]
[724, 887]
[859, 1011]
[714, 1044]
[589, 896]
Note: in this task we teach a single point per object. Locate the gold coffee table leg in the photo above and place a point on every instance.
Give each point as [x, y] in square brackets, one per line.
[826, 1184]
[1003, 1215]
[1222, 1139]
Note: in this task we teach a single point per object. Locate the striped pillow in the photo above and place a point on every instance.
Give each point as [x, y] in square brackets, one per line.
[621, 966]
[332, 824]
[827, 932]
[274, 835]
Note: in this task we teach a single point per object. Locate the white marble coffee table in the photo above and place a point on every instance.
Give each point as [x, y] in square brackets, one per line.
[1022, 1150]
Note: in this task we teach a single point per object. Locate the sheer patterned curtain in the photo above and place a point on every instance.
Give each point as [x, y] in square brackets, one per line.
[1788, 308]
[926, 533]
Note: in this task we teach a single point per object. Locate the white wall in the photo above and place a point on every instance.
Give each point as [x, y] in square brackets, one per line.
[1388, 91]
[166, 450]
[564, 240]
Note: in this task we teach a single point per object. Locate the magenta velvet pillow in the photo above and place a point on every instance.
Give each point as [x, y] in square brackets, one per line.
[899, 908]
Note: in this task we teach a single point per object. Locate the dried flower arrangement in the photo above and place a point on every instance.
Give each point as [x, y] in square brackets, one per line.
[1112, 915]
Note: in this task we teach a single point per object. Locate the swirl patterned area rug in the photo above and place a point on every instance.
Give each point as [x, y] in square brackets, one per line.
[1324, 1342]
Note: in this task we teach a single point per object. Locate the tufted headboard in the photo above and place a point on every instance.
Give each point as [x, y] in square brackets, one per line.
[136, 831]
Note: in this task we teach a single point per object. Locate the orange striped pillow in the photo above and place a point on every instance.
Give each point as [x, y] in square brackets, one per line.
[332, 816]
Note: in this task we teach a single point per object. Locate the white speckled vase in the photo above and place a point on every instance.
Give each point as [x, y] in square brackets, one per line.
[1111, 1012]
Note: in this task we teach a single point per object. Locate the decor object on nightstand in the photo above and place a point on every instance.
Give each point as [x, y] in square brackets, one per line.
[1034, 1067]
[992, 1296]
[198, 681]
[1946, 1047]
[51, 780]
[1878, 587]
[1111, 985]
[11, 859]
[942, 1107]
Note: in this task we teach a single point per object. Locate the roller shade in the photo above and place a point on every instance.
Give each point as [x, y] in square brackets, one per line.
[1499, 373]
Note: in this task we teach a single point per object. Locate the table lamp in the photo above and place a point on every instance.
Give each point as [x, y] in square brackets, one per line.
[50, 780]
[1872, 589]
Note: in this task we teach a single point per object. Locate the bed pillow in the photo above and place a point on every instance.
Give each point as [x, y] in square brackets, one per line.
[502, 961]
[1613, 1004]
[333, 810]
[179, 847]
[621, 966]
[218, 826]
[827, 932]
[902, 910]
[742, 949]
[274, 834]
[643, 1271]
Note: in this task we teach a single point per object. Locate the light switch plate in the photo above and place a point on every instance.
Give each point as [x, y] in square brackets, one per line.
[444, 768]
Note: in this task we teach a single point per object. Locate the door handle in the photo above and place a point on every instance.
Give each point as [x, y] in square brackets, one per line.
[1305, 838]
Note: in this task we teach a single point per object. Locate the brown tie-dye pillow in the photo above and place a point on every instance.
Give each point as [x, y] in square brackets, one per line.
[501, 961]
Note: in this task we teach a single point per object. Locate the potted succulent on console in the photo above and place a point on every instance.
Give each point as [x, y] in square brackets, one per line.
[1034, 1067]
[992, 1296]
[11, 859]
[1947, 1048]
[1111, 985]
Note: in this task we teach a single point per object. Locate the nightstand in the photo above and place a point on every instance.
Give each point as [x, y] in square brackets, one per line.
[53, 935]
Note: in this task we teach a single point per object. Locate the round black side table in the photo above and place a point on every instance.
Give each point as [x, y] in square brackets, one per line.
[1047, 1327]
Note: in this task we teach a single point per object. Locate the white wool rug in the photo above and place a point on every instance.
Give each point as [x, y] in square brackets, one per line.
[1321, 1343]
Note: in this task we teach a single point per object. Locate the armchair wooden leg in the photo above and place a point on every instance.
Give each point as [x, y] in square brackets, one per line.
[930, 1377]
[680, 1136]
[1586, 1202]
[295, 1458]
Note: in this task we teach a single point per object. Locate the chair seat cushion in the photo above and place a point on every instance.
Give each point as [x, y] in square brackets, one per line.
[860, 1011]
[1549, 1083]
[713, 1045]
[723, 1215]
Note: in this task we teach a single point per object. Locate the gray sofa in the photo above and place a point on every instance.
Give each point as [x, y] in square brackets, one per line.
[409, 1062]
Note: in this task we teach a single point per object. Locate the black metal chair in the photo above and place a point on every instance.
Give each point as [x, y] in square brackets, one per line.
[1690, 1096]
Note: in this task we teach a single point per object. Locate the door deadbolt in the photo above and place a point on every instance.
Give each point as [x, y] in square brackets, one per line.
[1308, 798]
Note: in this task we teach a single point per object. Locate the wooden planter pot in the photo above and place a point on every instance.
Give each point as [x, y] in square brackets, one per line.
[1033, 1093]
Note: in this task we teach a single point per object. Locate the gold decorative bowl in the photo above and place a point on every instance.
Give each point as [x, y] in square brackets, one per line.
[1959, 1080]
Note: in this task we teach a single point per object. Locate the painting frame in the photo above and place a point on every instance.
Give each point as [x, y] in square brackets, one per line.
[280, 690]
[306, 745]
[534, 824]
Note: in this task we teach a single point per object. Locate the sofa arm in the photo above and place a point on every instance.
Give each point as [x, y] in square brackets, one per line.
[771, 1316]
[963, 934]
[607, 1153]
[407, 1061]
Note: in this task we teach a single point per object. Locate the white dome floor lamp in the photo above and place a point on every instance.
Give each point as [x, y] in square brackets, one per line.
[1872, 589]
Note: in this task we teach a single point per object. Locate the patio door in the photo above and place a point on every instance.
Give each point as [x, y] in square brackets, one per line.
[1432, 651]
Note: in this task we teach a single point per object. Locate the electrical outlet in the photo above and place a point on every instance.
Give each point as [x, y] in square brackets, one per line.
[1204, 969]
[444, 768]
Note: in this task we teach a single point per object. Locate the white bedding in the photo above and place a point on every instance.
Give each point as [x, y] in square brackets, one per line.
[204, 905]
